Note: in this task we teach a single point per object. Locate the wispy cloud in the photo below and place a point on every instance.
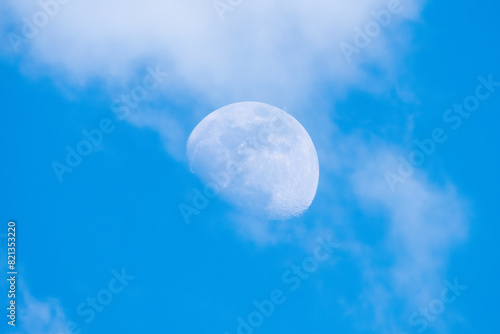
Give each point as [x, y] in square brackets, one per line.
[37, 316]
[424, 222]
[171, 131]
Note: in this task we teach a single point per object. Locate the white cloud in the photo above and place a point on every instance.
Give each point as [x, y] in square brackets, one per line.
[40, 317]
[271, 50]
[170, 130]
[424, 223]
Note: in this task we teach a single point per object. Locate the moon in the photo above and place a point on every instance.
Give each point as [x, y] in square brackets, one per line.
[257, 157]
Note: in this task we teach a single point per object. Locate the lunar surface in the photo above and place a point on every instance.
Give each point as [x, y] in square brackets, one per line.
[257, 157]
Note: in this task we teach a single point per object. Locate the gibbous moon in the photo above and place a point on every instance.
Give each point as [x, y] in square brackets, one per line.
[257, 157]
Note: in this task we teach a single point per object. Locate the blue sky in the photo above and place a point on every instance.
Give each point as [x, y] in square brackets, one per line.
[113, 223]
